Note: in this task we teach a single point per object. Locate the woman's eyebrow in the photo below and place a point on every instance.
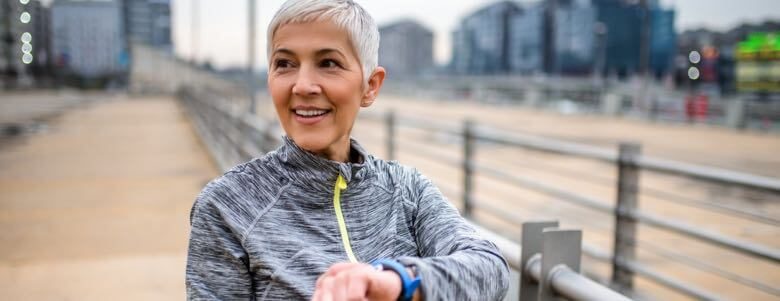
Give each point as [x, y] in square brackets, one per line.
[326, 51]
[284, 51]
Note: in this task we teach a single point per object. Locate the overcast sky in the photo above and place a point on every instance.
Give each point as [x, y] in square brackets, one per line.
[223, 25]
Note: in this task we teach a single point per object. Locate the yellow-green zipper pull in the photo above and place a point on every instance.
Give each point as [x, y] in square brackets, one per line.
[341, 185]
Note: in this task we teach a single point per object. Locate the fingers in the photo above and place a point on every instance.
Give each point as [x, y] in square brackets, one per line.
[326, 290]
[345, 281]
[357, 281]
[335, 269]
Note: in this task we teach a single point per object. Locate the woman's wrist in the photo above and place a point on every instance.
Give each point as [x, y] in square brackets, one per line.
[406, 275]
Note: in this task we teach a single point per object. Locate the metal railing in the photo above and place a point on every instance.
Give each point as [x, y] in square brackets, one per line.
[549, 259]
[629, 162]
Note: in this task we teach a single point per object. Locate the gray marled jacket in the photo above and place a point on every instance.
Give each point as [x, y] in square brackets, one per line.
[267, 229]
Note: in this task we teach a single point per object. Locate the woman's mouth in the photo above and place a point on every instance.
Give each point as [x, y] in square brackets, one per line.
[309, 116]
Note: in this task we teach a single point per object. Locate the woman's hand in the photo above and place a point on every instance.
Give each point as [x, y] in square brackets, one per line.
[357, 281]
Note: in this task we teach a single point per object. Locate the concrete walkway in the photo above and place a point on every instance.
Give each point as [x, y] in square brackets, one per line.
[96, 207]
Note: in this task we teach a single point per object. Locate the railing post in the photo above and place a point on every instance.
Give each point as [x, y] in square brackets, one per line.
[468, 167]
[531, 246]
[559, 248]
[625, 225]
[390, 126]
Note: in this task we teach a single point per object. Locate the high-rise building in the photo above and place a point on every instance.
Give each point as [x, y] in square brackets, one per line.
[88, 37]
[406, 49]
[526, 49]
[481, 44]
[575, 43]
[24, 39]
[10, 63]
[40, 30]
[663, 41]
[623, 21]
[148, 22]
[571, 37]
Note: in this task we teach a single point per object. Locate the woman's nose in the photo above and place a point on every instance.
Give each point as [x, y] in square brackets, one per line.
[306, 84]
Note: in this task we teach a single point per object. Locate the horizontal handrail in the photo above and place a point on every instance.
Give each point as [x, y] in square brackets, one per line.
[652, 220]
[709, 173]
[591, 152]
[545, 144]
[641, 269]
[571, 284]
[707, 236]
[562, 194]
[602, 206]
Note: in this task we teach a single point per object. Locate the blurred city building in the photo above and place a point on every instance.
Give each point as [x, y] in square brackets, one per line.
[148, 22]
[406, 49]
[526, 50]
[24, 46]
[88, 39]
[719, 70]
[73, 41]
[623, 21]
[568, 37]
[574, 34]
[663, 41]
[758, 63]
[481, 43]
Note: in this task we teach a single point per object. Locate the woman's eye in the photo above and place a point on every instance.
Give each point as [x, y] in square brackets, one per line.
[282, 64]
[329, 64]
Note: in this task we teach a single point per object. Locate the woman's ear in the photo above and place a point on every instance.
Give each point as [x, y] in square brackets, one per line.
[374, 84]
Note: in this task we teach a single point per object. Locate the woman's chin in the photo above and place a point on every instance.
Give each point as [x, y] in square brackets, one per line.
[311, 144]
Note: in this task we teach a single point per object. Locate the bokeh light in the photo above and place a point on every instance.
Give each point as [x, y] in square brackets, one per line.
[693, 73]
[25, 17]
[27, 58]
[694, 57]
[26, 48]
[26, 37]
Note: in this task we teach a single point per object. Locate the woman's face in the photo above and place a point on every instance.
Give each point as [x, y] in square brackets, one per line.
[316, 82]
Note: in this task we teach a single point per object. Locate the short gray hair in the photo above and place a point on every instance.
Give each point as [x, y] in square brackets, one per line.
[346, 14]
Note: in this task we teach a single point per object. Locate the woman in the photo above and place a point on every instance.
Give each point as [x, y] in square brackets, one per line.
[320, 218]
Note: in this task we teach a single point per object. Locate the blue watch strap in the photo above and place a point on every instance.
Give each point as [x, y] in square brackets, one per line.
[408, 285]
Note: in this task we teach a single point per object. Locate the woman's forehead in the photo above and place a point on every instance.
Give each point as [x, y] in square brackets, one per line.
[311, 36]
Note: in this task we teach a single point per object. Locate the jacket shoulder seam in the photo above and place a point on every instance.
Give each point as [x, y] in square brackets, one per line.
[265, 210]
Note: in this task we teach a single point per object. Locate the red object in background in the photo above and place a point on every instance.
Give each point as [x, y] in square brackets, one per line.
[709, 64]
[697, 107]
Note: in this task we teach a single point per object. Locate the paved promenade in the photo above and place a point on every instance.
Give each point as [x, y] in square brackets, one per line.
[95, 207]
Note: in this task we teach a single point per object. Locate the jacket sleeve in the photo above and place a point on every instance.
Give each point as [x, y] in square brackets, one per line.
[455, 263]
[217, 265]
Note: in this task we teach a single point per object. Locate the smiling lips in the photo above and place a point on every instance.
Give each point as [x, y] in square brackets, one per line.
[310, 116]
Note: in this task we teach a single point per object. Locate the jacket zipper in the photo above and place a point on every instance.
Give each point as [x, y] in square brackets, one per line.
[342, 185]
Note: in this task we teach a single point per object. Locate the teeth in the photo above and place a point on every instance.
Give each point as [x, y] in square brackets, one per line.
[308, 113]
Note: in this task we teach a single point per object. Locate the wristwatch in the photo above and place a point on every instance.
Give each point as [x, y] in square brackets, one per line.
[408, 285]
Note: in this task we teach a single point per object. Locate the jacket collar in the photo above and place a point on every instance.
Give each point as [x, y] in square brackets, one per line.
[311, 167]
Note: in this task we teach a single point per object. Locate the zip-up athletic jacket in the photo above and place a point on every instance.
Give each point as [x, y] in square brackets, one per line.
[266, 229]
